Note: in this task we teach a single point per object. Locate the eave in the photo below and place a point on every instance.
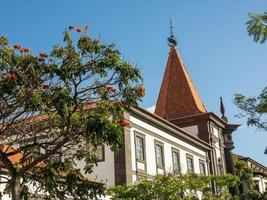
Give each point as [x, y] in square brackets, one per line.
[157, 120]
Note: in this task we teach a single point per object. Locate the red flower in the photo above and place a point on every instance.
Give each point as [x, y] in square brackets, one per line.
[79, 30]
[110, 88]
[16, 46]
[41, 59]
[141, 91]
[125, 103]
[124, 122]
[72, 27]
[43, 54]
[26, 50]
[13, 77]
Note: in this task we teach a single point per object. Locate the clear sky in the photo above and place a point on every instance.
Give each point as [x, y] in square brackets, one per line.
[212, 40]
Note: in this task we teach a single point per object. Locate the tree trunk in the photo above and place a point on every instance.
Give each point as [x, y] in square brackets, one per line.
[15, 188]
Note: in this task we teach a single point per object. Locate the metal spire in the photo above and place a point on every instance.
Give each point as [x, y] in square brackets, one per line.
[171, 28]
[222, 109]
[171, 40]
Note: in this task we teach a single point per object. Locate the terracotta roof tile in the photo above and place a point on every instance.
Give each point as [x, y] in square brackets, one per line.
[14, 158]
[178, 96]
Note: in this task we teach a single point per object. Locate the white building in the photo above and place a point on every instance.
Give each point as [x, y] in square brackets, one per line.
[182, 136]
[259, 175]
[152, 146]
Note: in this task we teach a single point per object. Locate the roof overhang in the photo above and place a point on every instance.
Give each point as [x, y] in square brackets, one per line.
[204, 116]
[159, 121]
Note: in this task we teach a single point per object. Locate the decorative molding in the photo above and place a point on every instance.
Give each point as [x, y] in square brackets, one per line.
[174, 144]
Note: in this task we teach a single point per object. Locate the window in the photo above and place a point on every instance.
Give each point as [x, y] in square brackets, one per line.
[139, 145]
[202, 169]
[256, 186]
[140, 152]
[190, 164]
[100, 152]
[159, 155]
[220, 166]
[36, 151]
[176, 162]
[241, 188]
[57, 155]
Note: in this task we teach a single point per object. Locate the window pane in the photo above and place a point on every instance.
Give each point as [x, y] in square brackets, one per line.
[159, 155]
[140, 148]
[56, 156]
[100, 152]
[176, 162]
[202, 168]
[36, 150]
[256, 186]
[220, 166]
[190, 167]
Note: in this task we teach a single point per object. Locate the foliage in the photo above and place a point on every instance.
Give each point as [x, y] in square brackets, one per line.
[56, 180]
[176, 187]
[245, 174]
[255, 195]
[62, 104]
[254, 108]
[257, 27]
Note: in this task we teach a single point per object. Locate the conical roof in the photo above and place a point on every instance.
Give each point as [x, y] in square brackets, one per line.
[178, 96]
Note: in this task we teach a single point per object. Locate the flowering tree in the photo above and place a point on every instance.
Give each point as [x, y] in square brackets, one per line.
[170, 187]
[63, 103]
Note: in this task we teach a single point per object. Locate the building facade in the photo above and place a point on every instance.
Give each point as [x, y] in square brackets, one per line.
[259, 175]
[180, 136]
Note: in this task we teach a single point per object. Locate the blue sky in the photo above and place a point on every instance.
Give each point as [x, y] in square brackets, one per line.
[212, 40]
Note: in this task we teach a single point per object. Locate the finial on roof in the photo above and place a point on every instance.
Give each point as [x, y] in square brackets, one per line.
[171, 40]
[222, 110]
[171, 27]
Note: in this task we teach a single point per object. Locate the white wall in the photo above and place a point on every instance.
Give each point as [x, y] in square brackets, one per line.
[104, 171]
[262, 181]
[151, 134]
[2, 187]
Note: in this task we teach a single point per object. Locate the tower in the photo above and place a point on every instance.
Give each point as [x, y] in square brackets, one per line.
[179, 103]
